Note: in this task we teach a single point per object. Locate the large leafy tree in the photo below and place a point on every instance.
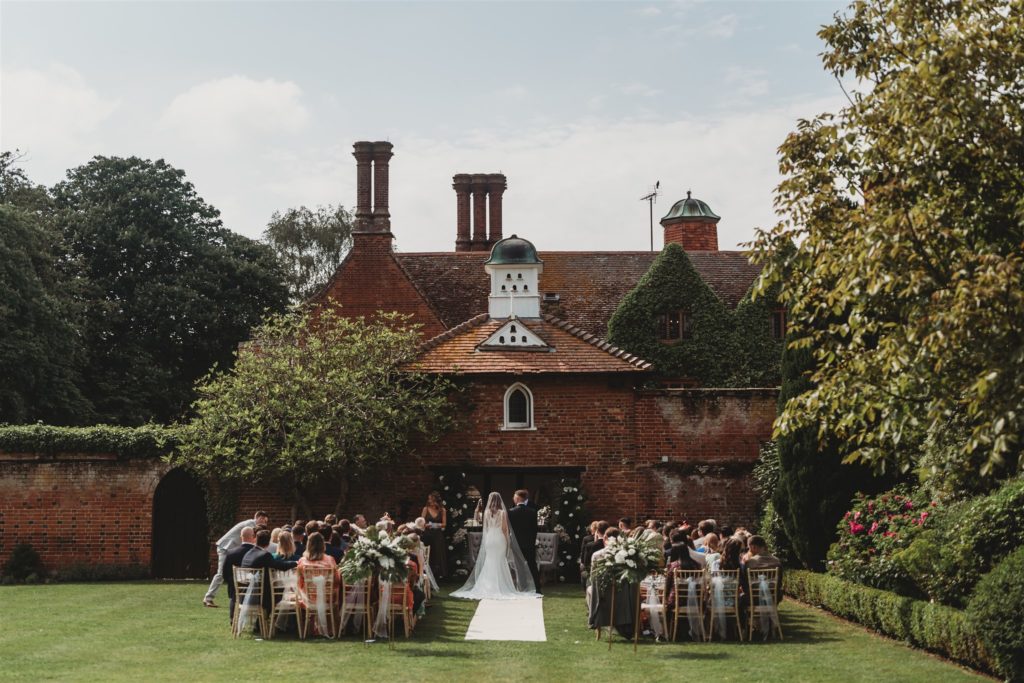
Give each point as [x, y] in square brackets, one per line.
[40, 349]
[907, 209]
[311, 244]
[316, 398]
[169, 292]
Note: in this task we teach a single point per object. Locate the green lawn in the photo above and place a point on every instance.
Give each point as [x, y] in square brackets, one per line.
[159, 631]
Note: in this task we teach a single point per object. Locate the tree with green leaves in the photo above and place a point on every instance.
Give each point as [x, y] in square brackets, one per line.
[40, 348]
[814, 487]
[167, 291]
[315, 398]
[311, 244]
[907, 211]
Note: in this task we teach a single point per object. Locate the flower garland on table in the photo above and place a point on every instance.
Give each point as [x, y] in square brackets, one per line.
[452, 486]
[627, 560]
[376, 552]
[570, 525]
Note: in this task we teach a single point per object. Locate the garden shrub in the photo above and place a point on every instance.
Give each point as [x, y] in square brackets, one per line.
[147, 441]
[937, 628]
[995, 613]
[871, 535]
[968, 538]
[23, 563]
[766, 477]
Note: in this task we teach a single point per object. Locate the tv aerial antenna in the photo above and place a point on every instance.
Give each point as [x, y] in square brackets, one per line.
[651, 198]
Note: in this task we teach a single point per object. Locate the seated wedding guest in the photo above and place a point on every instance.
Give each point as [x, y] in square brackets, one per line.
[234, 559]
[626, 524]
[730, 555]
[359, 524]
[340, 535]
[435, 517]
[313, 527]
[725, 531]
[678, 558]
[591, 545]
[331, 519]
[588, 539]
[333, 547]
[259, 557]
[316, 556]
[420, 524]
[286, 547]
[274, 535]
[413, 563]
[653, 533]
[299, 538]
[759, 558]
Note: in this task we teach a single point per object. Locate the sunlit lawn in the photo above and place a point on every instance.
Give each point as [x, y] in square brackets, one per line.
[160, 631]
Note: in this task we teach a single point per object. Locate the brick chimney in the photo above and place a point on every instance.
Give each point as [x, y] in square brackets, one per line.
[473, 231]
[372, 229]
[691, 224]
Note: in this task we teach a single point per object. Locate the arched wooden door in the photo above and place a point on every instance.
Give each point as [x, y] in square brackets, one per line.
[180, 546]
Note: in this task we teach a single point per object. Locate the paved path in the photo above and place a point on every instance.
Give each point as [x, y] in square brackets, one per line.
[508, 620]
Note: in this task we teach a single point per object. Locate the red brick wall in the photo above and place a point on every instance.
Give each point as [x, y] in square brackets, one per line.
[370, 280]
[78, 508]
[619, 436]
[692, 235]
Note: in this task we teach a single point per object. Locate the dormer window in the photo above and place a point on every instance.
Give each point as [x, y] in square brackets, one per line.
[779, 323]
[674, 325]
[518, 407]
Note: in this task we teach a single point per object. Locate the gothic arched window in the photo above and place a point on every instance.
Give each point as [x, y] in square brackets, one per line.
[518, 407]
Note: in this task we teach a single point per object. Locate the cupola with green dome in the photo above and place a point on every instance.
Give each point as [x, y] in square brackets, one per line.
[691, 224]
[515, 271]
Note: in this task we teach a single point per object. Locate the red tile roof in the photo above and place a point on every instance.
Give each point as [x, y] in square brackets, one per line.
[572, 350]
[590, 284]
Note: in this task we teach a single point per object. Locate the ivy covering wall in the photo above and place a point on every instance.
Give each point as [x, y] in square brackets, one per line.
[724, 348]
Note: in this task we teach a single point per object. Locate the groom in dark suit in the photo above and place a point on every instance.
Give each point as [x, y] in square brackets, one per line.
[523, 520]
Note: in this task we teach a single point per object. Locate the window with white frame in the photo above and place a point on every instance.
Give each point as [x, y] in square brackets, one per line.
[518, 407]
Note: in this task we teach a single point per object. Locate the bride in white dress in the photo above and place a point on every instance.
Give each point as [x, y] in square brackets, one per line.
[500, 572]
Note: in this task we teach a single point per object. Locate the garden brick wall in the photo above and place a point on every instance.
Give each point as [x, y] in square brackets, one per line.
[675, 453]
[78, 508]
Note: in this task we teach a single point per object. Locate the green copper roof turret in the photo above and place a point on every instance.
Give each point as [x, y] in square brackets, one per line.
[513, 250]
[691, 208]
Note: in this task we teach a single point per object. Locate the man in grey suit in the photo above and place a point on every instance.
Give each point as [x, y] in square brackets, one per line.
[228, 542]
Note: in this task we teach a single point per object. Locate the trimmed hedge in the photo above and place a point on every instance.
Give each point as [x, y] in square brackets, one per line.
[994, 612]
[148, 441]
[927, 625]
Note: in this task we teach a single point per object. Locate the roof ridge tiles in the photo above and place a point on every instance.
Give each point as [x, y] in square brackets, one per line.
[596, 341]
[433, 342]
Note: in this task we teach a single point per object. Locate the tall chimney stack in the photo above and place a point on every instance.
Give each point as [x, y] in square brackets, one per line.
[381, 157]
[479, 185]
[363, 152]
[496, 185]
[463, 239]
[486, 190]
[691, 224]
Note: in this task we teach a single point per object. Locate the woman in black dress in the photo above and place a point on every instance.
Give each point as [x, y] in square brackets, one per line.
[437, 520]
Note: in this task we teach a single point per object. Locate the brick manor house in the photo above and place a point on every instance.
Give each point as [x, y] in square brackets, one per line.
[523, 331]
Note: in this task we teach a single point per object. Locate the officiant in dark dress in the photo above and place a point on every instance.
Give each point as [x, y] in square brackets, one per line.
[523, 520]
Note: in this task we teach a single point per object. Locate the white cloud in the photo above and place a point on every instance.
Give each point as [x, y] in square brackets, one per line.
[641, 89]
[649, 11]
[721, 27]
[746, 83]
[43, 110]
[513, 93]
[236, 109]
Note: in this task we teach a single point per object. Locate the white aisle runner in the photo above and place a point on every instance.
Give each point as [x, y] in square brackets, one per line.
[508, 620]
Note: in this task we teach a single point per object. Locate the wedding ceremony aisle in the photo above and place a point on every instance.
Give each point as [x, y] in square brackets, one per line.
[157, 631]
[508, 620]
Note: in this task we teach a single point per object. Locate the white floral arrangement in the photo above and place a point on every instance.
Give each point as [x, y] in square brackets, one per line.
[543, 515]
[626, 560]
[376, 553]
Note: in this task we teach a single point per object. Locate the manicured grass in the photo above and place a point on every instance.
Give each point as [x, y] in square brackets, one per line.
[159, 631]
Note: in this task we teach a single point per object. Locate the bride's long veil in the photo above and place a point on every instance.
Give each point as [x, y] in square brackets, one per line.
[495, 521]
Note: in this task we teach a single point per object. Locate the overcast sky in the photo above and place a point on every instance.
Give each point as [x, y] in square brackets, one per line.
[582, 105]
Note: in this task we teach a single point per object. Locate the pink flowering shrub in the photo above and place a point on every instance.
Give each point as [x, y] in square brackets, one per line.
[873, 532]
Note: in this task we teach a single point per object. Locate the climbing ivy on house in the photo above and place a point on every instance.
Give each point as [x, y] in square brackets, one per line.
[722, 348]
